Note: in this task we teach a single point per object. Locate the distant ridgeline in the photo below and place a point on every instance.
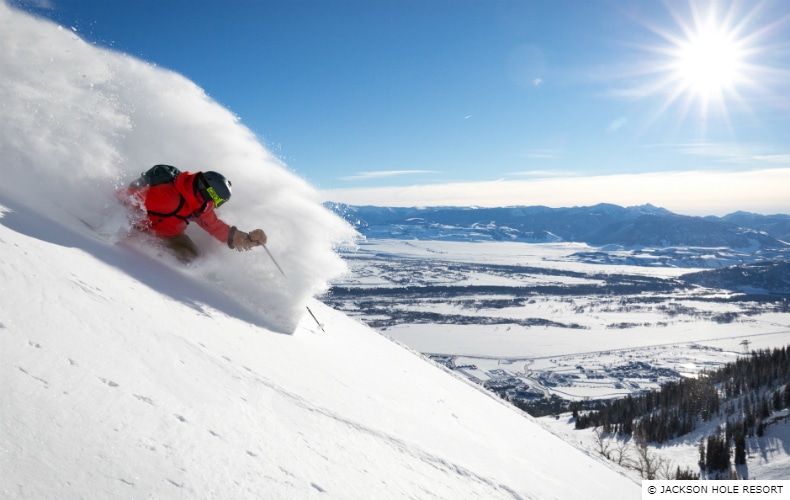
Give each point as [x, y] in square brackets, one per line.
[598, 225]
[748, 253]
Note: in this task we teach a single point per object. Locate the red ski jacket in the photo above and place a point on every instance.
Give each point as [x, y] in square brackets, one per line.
[170, 207]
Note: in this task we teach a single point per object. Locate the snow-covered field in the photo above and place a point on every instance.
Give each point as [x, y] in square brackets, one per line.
[484, 326]
[500, 278]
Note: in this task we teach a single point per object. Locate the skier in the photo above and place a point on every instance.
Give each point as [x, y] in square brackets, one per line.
[166, 208]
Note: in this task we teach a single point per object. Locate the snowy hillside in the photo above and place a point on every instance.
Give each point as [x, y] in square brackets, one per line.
[128, 376]
[124, 377]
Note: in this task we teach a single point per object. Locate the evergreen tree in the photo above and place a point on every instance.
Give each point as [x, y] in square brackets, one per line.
[765, 410]
[686, 474]
[718, 454]
[740, 450]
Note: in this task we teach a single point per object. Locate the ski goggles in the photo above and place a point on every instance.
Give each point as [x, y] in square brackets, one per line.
[218, 200]
[211, 192]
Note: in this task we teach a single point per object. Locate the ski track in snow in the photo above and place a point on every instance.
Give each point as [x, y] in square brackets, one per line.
[397, 444]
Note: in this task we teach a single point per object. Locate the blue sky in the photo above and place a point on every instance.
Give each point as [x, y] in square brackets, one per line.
[486, 102]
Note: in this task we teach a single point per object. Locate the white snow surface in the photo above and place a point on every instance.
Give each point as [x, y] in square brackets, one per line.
[125, 375]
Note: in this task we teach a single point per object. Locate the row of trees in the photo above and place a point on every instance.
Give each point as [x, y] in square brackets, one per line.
[745, 392]
[659, 415]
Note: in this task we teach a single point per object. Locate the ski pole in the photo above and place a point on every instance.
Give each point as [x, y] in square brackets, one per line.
[273, 259]
[320, 325]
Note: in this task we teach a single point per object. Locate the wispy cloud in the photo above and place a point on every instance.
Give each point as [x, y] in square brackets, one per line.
[713, 149]
[616, 124]
[780, 159]
[737, 154]
[545, 173]
[690, 192]
[380, 174]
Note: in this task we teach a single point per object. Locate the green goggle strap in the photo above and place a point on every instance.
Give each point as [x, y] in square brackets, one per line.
[218, 200]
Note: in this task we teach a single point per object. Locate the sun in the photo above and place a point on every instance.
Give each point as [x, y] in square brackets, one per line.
[710, 63]
[705, 61]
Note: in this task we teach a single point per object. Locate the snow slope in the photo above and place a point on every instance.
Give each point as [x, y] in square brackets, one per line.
[125, 375]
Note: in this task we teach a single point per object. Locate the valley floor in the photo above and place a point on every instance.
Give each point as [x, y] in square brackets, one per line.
[532, 322]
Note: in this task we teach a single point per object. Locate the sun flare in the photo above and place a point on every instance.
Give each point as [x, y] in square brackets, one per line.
[709, 63]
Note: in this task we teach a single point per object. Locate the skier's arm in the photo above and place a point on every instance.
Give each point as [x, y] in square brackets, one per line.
[235, 238]
[214, 225]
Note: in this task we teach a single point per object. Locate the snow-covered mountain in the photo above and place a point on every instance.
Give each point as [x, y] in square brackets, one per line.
[602, 224]
[777, 225]
[125, 375]
[126, 378]
[536, 224]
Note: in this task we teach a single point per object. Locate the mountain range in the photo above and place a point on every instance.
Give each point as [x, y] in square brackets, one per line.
[602, 224]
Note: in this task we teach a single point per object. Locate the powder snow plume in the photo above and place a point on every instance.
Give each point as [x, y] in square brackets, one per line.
[80, 121]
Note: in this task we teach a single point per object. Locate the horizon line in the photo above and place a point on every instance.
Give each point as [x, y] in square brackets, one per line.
[690, 192]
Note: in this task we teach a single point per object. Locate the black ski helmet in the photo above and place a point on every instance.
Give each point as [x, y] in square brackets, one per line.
[214, 186]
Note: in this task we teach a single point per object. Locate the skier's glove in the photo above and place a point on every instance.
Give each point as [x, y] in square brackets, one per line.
[241, 241]
[259, 236]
